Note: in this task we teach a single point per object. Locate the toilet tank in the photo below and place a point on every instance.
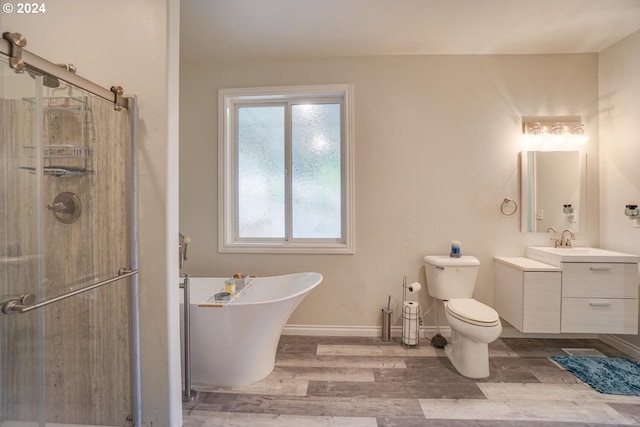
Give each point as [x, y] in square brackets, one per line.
[449, 278]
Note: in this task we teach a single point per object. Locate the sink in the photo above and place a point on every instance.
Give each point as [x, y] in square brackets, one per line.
[556, 256]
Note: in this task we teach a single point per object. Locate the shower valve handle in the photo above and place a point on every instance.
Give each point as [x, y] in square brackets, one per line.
[61, 207]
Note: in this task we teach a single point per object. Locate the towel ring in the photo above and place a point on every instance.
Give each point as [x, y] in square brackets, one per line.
[509, 207]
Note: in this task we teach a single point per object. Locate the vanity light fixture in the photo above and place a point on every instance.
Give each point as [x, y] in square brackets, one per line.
[536, 129]
[554, 133]
[578, 134]
[558, 131]
[633, 213]
[535, 132]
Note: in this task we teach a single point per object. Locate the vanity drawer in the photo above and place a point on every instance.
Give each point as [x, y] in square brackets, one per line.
[599, 316]
[599, 280]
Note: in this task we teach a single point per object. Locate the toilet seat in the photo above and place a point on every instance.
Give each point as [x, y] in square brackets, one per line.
[470, 311]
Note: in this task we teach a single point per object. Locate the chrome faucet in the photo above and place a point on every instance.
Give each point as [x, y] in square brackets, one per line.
[565, 242]
[556, 242]
[182, 248]
[562, 242]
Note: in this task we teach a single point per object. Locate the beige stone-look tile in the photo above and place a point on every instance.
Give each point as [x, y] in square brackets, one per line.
[572, 392]
[502, 352]
[554, 376]
[269, 387]
[527, 390]
[342, 362]
[231, 419]
[378, 350]
[500, 349]
[629, 411]
[282, 374]
[319, 406]
[293, 381]
[589, 412]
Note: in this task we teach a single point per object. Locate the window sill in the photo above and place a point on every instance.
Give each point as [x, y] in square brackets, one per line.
[286, 248]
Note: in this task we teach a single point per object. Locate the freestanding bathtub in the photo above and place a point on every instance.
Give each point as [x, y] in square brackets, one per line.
[235, 344]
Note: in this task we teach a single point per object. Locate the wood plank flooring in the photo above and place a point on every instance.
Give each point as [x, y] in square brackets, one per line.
[364, 382]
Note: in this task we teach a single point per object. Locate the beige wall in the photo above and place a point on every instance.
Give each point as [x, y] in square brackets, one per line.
[436, 151]
[134, 44]
[620, 146]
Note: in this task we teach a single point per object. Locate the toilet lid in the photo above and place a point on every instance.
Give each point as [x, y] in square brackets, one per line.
[472, 311]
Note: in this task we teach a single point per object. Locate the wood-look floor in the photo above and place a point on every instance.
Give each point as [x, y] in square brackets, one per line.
[364, 382]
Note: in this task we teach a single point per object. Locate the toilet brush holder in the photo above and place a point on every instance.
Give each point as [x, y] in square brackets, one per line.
[437, 340]
[386, 324]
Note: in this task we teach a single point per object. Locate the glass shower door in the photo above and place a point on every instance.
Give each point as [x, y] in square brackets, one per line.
[64, 207]
[20, 263]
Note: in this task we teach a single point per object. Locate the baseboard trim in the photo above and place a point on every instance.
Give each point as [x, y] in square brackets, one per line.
[620, 344]
[336, 331]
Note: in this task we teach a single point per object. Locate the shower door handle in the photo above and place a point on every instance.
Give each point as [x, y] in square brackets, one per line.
[10, 301]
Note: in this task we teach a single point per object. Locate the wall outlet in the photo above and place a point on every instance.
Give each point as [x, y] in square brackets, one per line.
[539, 214]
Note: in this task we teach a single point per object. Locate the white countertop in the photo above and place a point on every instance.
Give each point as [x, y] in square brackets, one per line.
[526, 264]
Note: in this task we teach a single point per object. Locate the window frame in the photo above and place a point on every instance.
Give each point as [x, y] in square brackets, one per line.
[228, 101]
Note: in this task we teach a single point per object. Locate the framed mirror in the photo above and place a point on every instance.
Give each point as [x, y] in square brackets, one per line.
[553, 190]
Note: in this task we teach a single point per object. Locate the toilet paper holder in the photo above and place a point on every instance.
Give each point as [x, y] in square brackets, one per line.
[411, 323]
[410, 314]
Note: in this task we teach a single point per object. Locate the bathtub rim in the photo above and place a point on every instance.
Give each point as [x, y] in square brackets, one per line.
[306, 274]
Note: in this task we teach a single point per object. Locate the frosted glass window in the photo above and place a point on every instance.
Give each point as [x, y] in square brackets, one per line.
[261, 172]
[286, 169]
[316, 171]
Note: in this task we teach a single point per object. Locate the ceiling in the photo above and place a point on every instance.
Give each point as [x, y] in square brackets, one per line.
[240, 29]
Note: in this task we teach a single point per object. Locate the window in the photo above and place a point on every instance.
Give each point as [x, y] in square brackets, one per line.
[285, 169]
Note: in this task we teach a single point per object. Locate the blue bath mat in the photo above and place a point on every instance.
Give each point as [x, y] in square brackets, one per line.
[609, 375]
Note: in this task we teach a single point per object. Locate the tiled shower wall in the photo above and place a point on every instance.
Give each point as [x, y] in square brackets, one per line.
[71, 357]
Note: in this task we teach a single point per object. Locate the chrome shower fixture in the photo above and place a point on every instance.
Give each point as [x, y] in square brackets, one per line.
[66, 207]
[47, 79]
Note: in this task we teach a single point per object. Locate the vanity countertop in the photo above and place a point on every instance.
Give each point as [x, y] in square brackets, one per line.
[559, 255]
[526, 264]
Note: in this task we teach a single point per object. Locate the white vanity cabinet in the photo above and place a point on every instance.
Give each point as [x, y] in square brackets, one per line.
[528, 294]
[582, 295]
[599, 297]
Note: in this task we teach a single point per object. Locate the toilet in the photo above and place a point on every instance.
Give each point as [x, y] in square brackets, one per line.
[473, 324]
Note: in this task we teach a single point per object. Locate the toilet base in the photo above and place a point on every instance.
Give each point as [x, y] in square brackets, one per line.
[469, 357]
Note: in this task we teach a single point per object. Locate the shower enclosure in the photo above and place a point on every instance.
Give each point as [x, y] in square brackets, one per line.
[67, 247]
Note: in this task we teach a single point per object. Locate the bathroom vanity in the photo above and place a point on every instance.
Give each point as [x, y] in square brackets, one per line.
[569, 290]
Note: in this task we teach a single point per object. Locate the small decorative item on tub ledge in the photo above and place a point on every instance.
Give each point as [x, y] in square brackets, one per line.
[230, 286]
[242, 280]
[233, 288]
[222, 296]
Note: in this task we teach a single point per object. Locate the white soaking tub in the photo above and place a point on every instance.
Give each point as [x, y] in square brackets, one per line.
[235, 343]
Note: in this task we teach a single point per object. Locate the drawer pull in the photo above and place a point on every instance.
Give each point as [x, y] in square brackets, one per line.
[600, 304]
[600, 268]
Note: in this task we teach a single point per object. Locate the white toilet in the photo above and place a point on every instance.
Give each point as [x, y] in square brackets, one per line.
[473, 324]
